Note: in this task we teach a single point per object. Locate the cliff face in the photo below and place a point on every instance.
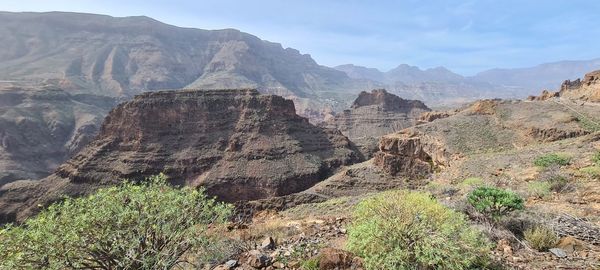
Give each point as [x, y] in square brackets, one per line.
[375, 114]
[237, 144]
[40, 129]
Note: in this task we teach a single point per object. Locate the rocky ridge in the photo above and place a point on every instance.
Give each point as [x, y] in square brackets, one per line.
[587, 89]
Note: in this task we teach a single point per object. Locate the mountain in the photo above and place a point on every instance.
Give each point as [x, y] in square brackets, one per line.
[435, 86]
[104, 55]
[403, 73]
[533, 79]
[440, 86]
[238, 144]
[39, 130]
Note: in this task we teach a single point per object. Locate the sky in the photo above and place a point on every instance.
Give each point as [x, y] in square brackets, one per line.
[465, 36]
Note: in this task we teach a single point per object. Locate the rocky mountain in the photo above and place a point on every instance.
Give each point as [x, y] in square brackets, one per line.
[436, 86]
[533, 79]
[40, 129]
[238, 144]
[375, 114]
[440, 86]
[103, 55]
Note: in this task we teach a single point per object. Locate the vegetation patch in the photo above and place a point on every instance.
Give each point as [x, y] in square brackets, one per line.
[596, 158]
[540, 238]
[472, 182]
[411, 230]
[494, 203]
[132, 226]
[548, 160]
[539, 189]
[593, 171]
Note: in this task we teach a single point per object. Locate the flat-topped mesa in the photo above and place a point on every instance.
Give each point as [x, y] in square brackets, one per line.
[238, 144]
[387, 101]
[375, 114]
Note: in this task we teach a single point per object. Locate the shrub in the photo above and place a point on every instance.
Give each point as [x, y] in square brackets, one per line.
[540, 238]
[552, 159]
[539, 189]
[310, 264]
[596, 158]
[494, 202]
[411, 230]
[593, 171]
[145, 226]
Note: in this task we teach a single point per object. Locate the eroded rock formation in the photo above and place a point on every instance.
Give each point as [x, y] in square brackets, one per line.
[237, 144]
[587, 89]
[410, 153]
[375, 114]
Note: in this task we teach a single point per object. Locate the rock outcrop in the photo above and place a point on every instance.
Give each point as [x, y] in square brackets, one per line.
[587, 89]
[237, 144]
[410, 153]
[375, 114]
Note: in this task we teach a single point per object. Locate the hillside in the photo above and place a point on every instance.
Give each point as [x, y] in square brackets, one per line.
[103, 55]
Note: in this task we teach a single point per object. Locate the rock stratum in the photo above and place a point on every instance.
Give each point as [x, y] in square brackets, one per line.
[374, 114]
[237, 144]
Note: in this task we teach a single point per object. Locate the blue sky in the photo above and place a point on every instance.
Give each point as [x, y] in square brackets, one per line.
[464, 36]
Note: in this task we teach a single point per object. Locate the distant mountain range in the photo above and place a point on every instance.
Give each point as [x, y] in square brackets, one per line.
[121, 57]
[441, 86]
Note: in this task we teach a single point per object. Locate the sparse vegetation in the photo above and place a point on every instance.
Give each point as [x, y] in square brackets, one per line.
[552, 159]
[593, 171]
[310, 264]
[132, 226]
[596, 158]
[472, 182]
[411, 230]
[540, 238]
[588, 124]
[539, 189]
[494, 202]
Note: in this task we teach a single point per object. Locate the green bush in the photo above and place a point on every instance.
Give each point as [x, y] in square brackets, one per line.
[411, 230]
[494, 202]
[145, 226]
[540, 238]
[539, 189]
[310, 264]
[552, 159]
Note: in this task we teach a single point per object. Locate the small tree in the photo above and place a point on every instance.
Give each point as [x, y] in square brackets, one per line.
[494, 202]
[147, 226]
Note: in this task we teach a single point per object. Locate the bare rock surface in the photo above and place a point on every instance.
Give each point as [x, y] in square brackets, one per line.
[238, 144]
